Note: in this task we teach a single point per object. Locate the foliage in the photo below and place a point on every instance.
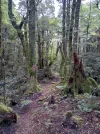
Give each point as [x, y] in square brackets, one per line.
[88, 103]
[92, 64]
[7, 115]
[25, 103]
[93, 82]
[78, 120]
[5, 19]
[94, 19]
[5, 109]
[61, 87]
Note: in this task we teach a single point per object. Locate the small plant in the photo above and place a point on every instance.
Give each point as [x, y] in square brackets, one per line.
[25, 103]
[88, 103]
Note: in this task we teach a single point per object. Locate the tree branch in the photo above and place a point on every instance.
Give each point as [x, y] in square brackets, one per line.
[12, 17]
[38, 1]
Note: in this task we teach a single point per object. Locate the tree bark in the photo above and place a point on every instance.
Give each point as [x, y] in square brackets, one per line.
[68, 25]
[0, 25]
[32, 44]
[77, 11]
[42, 48]
[39, 49]
[64, 29]
[88, 25]
[71, 29]
[18, 27]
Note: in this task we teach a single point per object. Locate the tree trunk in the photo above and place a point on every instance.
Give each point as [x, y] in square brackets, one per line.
[71, 29]
[0, 25]
[68, 25]
[64, 29]
[63, 66]
[88, 25]
[18, 28]
[32, 45]
[77, 11]
[42, 48]
[39, 50]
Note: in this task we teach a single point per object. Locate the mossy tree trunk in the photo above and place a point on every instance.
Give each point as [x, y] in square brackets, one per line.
[43, 47]
[0, 25]
[2, 55]
[77, 11]
[29, 51]
[39, 49]
[32, 45]
[71, 30]
[18, 28]
[63, 66]
[76, 70]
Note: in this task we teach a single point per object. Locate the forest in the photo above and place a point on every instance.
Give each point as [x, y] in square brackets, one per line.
[49, 66]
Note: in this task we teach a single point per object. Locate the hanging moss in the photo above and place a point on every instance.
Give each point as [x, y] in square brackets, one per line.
[86, 85]
[93, 82]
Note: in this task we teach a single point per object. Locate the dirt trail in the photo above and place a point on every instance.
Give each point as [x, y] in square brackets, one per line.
[29, 121]
[41, 118]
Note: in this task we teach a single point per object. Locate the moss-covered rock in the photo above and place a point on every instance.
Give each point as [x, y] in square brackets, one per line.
[78, 120]
[4, 109]
[69, 114]
[7, 114]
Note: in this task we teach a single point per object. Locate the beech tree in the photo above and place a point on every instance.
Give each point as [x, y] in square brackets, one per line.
[32, 44]
[0, 24]
[18, 28]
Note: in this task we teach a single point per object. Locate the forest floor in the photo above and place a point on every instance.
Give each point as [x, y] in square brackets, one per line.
[43, 118]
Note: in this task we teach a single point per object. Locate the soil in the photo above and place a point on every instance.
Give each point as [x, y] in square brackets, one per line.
[40, 117]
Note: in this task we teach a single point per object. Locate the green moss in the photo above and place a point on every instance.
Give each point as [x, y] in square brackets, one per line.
[31, 90]
[31, 73]
[5, 109]
[78, 120]
[69, 114]
[86, 85]
[93, 82]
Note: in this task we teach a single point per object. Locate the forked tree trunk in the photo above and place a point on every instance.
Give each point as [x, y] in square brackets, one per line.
[18, 28]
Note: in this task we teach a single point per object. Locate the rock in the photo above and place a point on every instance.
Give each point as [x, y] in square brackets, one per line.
[67, 120]
[69, 114]
[80, 90]
[97, 113]
[77, 120]
[52, 100]
[72, 122]
[7, 115]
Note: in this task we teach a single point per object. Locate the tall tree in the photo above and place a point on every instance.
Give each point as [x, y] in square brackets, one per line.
[77, 11]
[71, 28]
[32, 44]
[64, 43]
[0, 24]
[64, 29]
[18, 28]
